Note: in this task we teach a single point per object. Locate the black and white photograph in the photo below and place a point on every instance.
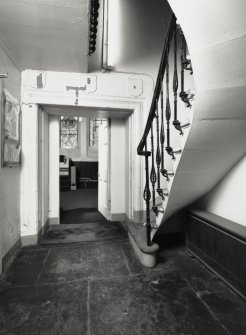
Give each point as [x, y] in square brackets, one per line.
[123, 167]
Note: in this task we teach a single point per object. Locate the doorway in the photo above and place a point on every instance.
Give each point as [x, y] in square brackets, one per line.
[93, 189]
[84, 144]
[108, 95]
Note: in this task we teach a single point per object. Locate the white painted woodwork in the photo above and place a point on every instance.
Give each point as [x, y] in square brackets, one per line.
[46, 34]
[119, 177]
[89, 112]
[29, 172]
[112, 93]
[104, 164]
[45, 168]
[54, 182]
[119, 167]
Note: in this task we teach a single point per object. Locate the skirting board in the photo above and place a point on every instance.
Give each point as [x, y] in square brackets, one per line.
[42, 230]
[53, 221]
[29, 240]
[205, 262]
[118, 217]
[9, 256]
[139, 216]
[221, 245]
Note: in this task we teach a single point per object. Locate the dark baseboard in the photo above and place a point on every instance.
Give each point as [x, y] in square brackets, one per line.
[9, 257]
[43, 230]
[221, 245]
[118, 217]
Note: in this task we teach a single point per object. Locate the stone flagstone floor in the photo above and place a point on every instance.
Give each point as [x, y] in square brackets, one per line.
[99, 287]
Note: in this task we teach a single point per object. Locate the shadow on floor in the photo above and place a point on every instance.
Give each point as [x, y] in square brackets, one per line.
[168, 244]
[86, 232]
[81, 215]
[81, 198]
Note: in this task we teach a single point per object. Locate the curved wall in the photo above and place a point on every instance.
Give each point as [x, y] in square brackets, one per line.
[227, 199]
[216, 37]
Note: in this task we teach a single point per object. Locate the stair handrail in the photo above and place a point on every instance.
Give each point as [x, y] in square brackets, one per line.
[161, 72]
[149, 126]
[156, 151]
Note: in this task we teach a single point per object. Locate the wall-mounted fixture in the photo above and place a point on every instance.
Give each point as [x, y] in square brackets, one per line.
[3, 75]
[93, 25]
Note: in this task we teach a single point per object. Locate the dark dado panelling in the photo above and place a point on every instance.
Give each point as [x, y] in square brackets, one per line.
[220, 244]
[89, 171]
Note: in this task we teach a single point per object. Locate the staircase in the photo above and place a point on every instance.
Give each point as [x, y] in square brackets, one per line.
[167, 126]
[191, 138]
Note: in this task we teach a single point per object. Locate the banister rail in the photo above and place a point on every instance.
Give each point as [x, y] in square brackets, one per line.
[157, 131]
[157, 91]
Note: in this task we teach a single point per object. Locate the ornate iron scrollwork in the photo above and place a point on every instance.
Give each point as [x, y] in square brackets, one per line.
[162, 137]
[168, 112]
[185, 65]
[176, 122]
[158, 153]
[147, 197]
[147, 193]
[153, 177]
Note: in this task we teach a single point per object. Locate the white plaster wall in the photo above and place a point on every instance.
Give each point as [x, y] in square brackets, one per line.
[136, 36]
[9, 177]
[227, 199]
[49, 34]
[118, 173]
[54, 146]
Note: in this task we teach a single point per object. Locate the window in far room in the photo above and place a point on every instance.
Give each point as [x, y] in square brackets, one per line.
[93, 131]
[68, 132]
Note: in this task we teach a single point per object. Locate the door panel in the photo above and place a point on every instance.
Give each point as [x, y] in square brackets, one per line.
[103, 170]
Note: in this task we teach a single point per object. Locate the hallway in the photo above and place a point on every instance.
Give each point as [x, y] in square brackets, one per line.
[80, 207]
[99, 287]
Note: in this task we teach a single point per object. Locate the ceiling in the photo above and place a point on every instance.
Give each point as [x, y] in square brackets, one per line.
[46, 34]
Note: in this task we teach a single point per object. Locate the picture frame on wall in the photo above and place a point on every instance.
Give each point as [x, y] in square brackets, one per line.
[10, 131]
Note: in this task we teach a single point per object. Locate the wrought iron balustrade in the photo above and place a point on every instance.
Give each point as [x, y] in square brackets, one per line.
[157, 131]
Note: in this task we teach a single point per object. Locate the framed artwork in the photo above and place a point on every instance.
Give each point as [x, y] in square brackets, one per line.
[10, 130]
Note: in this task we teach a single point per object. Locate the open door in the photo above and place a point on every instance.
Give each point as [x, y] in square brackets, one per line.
[104, 169]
